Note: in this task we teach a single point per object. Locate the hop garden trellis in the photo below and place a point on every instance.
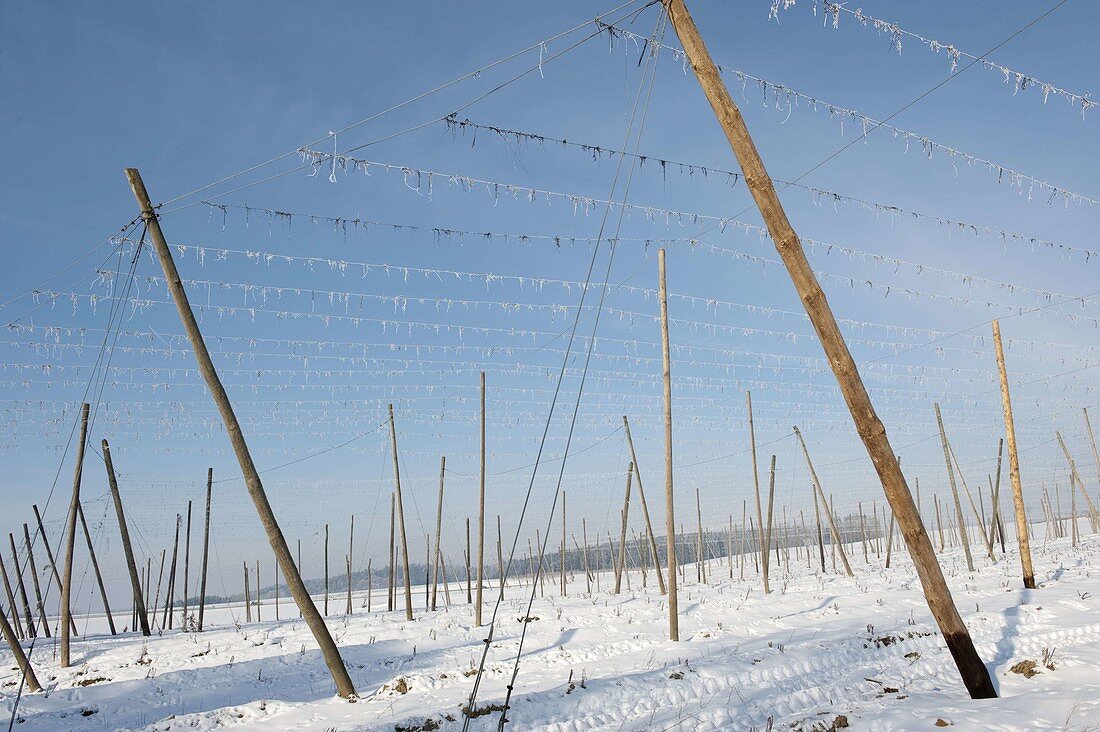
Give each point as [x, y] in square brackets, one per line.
[711, 392]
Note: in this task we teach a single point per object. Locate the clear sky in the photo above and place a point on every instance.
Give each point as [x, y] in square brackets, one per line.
[190, 93]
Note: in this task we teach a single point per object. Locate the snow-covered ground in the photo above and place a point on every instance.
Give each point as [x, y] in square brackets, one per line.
[817, 648]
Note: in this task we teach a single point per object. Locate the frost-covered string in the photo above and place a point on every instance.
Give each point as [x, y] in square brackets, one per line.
[731, 178]
[1019, 80]
[786, 98]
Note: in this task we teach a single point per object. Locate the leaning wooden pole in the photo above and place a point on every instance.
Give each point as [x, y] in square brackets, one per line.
[760, 547]
[70, 541]
[974, 673]
[401, 521]
[20, 657]
[1022, 536]
[95, 568]
[645, 508]
[1092, 443]
[963, 535]
[316, 623]
[127, 547]
[670, 518]
[838, 541]
[622, 532]
[206, 546]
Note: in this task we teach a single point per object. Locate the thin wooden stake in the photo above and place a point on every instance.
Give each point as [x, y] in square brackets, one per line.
[401, 521]
[954, 491]
[438, 531]
[34, 581]
[28, 615]
[247, 596]
[838, 540]
[622, 532]
[481, 515]
[11, 601]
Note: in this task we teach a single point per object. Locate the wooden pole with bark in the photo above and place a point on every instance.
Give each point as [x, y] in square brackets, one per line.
[27, 614]
[438, 531]
[760, 544]
[973, 672]
[838, 540]
[401, 521]
[20, 657]
[954, 491]
[95, 568]
[1022, 537]
[480, 515]
[622, 532]
[645, 508]
[43, 618]
[206, 546]
[127, 547]
[50, 557]
[316, 623]
[670, 514]
[18, 625]
[70, 541]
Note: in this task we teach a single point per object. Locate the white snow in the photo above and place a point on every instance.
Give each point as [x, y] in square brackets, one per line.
[819, 646]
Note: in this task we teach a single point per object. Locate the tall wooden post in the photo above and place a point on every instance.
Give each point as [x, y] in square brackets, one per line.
[438, 530]
[170, 594]
[480, 515]
[562, 555]
[768, 531]
[1022, 537]
[1092, 442]
[760, 543]
[247, 596]
[127, 548]
[670, 514]
[70, 540]
[205, 545]
[391, 594]
[1075, 479]
[34, 581]
[645, 509]
[326, 569]
[351, 551]
[316, 623]
[401, 521]
[873, 433]
[622, 532]
[95, 568]
[469, 576]
[186, 567]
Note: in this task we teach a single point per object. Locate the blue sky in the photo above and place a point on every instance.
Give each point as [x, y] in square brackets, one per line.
[192, 93]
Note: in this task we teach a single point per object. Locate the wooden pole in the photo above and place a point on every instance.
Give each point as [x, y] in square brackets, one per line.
[393, 554]
[469, 576]
[351, 551]
[50, 557]
[27, 614]
[1075, 478]
[11, 601]
[838, 540]
[1022, 537]
[20, 657]
[562, 555]
[438, 531]
[974, 673]
[187, 567]
[670, 518]
[95, 567]
[127, 547]
[326, 569]
[170, 595]
[500, 557]
[206, 545]
[70, 539]
[954, 490]
[401, 521]
[259, 592]
[622, 532]
[768, 531]
[247, 596]
[34, 581]
[645, 508]
[1092, 442]
[316, 623]
[481, 515]
[700, 563]
[760, 543]
[160, 578]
